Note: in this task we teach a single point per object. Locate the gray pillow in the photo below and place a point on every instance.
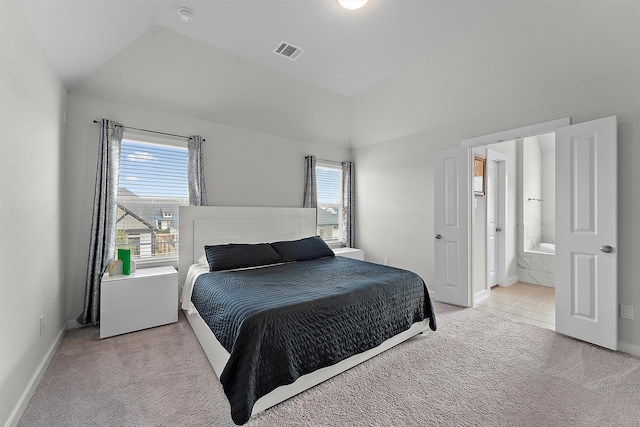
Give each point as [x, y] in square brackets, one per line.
[303, 249]
[240, 255]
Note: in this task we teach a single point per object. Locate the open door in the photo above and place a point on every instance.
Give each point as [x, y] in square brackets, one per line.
[586, 232]
[452, 193]
[493, 225]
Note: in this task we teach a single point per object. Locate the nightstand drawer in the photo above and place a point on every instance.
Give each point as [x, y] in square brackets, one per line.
[123, 293]
[135, 318]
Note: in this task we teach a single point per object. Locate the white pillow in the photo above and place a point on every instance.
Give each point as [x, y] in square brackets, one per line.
[203, 261]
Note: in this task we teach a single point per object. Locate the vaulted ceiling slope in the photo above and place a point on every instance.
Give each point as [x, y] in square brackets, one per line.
[394, 68]
[221, 67]
[167, 71]
[345, 51]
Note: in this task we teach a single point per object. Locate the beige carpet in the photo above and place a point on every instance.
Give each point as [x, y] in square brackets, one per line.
[477, 369]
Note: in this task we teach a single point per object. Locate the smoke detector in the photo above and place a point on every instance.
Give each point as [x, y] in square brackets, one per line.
[186, 14]
[288, 50]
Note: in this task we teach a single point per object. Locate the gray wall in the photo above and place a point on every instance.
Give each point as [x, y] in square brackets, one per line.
[539, 62]
[31, 250]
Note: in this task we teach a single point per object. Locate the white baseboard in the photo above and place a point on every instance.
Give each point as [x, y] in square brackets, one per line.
[73, 324]
[633, 350]
[509, 281]
[18, 410]
[481, 295]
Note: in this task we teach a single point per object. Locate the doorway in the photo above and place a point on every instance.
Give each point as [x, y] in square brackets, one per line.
[524, 302]
[586, 225]
[527, 292]
[488, 218]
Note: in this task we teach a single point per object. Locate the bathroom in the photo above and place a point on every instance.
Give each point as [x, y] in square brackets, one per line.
[536, 219]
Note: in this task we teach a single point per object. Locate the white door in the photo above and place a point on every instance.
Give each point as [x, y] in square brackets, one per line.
[586, 232]
[452, 193]
[493, 226]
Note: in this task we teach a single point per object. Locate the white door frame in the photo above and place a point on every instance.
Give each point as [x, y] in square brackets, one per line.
[508, 135]
[501, 214]
[595, 325]
[523, 132]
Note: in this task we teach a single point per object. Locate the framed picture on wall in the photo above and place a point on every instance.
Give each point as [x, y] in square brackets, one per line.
[478, 175]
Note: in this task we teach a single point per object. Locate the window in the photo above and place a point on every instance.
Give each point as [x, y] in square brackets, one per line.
[330, 208]
[152, 185]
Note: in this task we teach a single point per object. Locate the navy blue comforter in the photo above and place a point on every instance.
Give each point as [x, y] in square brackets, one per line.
[281, 322]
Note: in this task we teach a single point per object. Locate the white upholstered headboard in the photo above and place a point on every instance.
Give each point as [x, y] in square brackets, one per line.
[214, 225]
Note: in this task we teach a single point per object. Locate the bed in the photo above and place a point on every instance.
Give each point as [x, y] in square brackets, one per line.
[300, 317]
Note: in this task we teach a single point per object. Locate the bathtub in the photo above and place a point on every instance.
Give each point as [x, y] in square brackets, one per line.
[547, 248]
[538, 265]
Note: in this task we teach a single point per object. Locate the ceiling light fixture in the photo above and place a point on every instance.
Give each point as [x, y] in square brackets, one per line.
[352, 4]
[186, 14]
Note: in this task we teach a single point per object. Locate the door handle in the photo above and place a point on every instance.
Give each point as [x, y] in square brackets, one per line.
[498, 229]
[606, 249]
[438, 236]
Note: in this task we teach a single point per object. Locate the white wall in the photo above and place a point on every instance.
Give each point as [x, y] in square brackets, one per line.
[549, 196]
[242, 168]
[31, 133]
[540, 61]
[531, 187]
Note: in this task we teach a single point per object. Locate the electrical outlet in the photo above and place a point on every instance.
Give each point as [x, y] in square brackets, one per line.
[385, 261]
[41, 325]
[626, 311]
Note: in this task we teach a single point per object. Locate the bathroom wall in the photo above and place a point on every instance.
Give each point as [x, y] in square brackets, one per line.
[549, 195]
[537, 214]
[531, 193]
[537, 268]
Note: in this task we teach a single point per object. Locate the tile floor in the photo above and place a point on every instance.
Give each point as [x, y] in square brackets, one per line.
[524, 302]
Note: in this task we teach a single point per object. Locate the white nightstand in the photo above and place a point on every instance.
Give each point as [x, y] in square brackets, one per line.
[350, 253]
[144, 299]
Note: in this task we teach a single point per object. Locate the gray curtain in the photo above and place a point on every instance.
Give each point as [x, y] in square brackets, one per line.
[348, 202]
[310, 189]
[197, 189]
[103, 225]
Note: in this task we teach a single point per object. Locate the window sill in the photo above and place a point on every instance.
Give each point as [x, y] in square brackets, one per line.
[350, 253]
[334, 245]
[157, 262]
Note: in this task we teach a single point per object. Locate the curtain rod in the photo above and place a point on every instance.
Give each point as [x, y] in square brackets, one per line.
[153, 131]
[329, 161]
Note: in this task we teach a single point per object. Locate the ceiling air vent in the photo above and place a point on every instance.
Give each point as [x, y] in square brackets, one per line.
[288, 50]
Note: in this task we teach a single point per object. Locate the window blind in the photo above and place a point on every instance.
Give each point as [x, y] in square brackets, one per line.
[152, 185]
[329, 188]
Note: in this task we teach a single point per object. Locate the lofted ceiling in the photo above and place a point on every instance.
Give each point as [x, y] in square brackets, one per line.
[345, 51]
